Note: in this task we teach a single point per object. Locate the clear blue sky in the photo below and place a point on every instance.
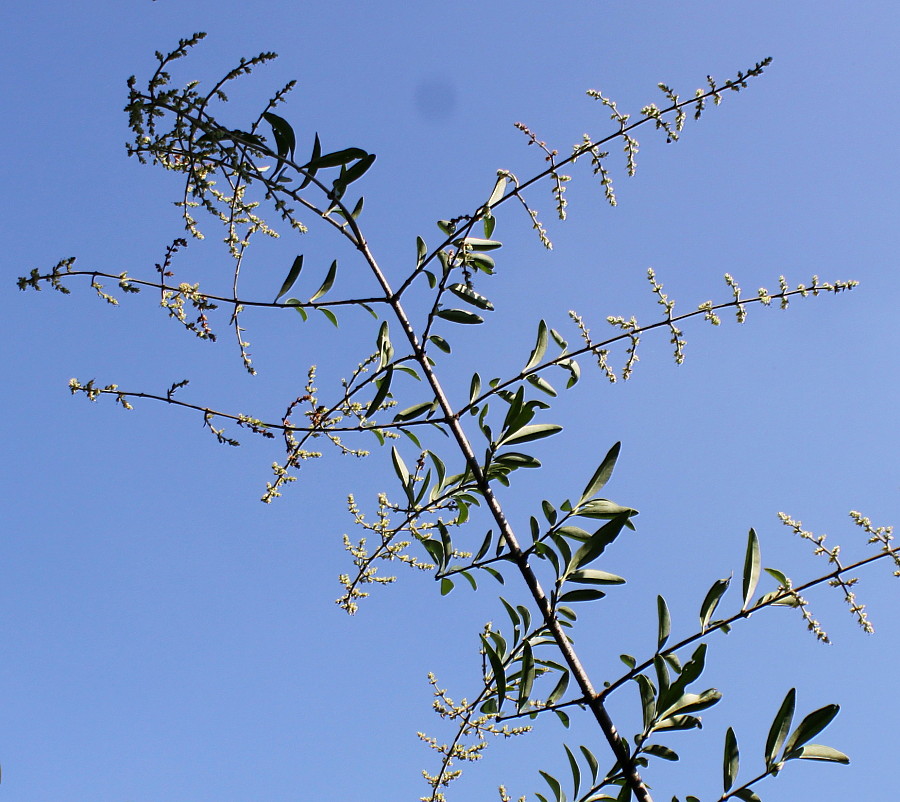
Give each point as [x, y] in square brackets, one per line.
[167, 637]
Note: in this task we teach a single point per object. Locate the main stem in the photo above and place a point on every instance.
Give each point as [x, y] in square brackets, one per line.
[577, 670]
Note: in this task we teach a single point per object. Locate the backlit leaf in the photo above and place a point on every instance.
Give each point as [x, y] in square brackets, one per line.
[292, 275]
[751, 567]
[329, 281]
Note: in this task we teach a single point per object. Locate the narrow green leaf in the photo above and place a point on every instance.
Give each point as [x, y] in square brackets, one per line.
[337, 158]
[810, 727]
[474, 388]
[295, 302]
[400, 467]
[292, 275]
[576, 771]
[692, 702]
[498, 191]
[440, 342]
[435, 550]
[751, 568]
[357, 210]
[603, 508]
[559, 689]
[542, 384]
[384, 385]
[285, 141]
[592, 761]
[713, 596]
[332, 318]
[477, 244]
[311, 171]
[415, 411]
[485, 545]
[781, 724]
[819, 752]
[470, 296]
[421, 251]
[592, 576]
[554, 786]
[648, 699]
[744, 794]
[540, 347]
[526, 434]
[326, 285]
[581, 595]
[664, 625]
[601, 475]
[459, 316]
[526, 681]
[730, 761]
[383, 343]
[497, 669]
[358, 170]
[595, 544]
[658, 750]
[487, 223]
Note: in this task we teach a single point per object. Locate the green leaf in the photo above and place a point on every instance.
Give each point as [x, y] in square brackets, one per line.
[730, 761]
[781, 724]
[485, 545]
[581, 595]
[295, 302]
[713, 596]
[592, 761]
[487, 223]
[358, 170]
[474, 388]
[559, 689]
[554, 786]
[446, 586]
[664, 625]
[540, 347]
[337, 158]
[285, 141]
[400, 467]
[440, 342]
[383, 343]
[751, 567]
[526, 681]
[311, 171]
[603, 508]
[332, 318]
[470, 296]
[421, 251]
[648, 699]
[414, 411]
[601, 475]
[292, 275]
[477, 244]
[658, 750]
[595, 544]
[498, 191]
[384, 385]
[459, 316]
[326, 285]
[497, 669]
[628, 660]
[818, 752]
[435, 550]
[692, 702]
[810, 727]
[526, 434]
[542, 384]
[744, 793]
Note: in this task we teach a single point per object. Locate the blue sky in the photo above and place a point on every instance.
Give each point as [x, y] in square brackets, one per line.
[168, 637]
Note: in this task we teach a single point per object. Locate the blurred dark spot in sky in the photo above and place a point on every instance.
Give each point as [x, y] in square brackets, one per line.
[435, 99]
